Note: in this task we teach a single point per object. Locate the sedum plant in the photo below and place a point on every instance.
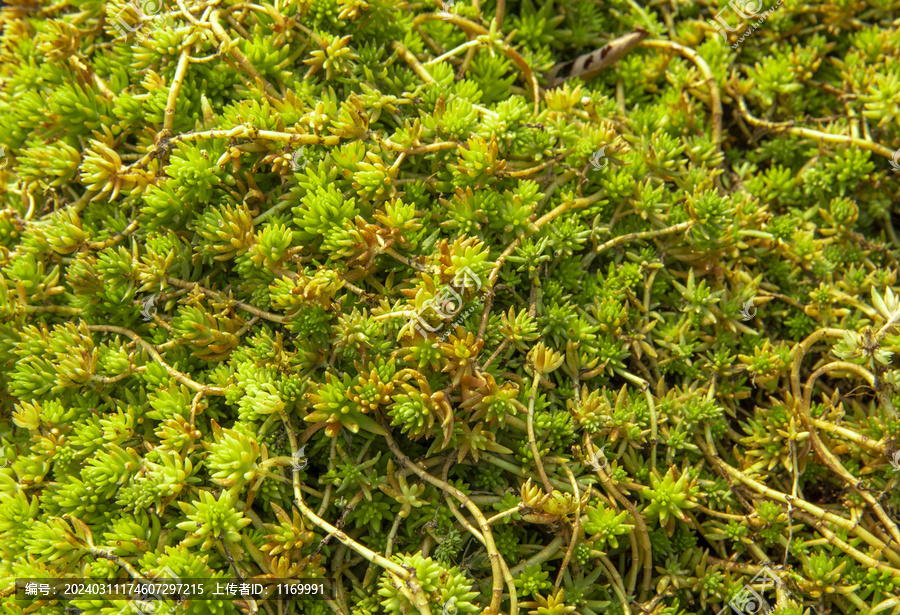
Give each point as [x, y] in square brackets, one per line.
[467, 307]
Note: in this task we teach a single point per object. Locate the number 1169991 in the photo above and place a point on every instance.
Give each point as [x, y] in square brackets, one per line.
[299, 589]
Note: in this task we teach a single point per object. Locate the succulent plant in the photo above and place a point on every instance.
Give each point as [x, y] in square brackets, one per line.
[463, 307]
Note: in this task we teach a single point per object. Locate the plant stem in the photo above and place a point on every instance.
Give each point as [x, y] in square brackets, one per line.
[545, 554]
[532, 442]
[820, 137]
[239, 57]
[683, 226]
[715, 97]
[180, 377]
[177, 82]
[216, 295]
[497, 562]
[406, 577]
[639, 524]
[99, 245]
